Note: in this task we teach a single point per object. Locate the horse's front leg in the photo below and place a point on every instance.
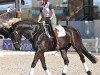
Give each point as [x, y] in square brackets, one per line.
[17, 46]
[16, 39]
[35, 60]
[42, 59]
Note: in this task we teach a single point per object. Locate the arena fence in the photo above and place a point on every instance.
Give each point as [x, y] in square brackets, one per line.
[92, 45]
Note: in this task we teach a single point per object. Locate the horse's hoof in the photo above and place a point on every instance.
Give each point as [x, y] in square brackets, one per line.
[63, 74]
[89, 73]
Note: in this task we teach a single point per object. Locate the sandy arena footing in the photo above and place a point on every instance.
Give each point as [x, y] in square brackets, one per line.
[19, 63]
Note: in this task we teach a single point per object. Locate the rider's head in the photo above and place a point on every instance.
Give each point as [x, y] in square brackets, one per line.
[43, 1]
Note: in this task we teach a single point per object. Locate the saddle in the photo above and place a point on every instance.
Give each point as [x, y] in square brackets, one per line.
[53, 35]
[60, 31]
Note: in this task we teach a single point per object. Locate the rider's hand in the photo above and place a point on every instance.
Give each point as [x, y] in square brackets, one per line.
[50, 19]
[39, 22]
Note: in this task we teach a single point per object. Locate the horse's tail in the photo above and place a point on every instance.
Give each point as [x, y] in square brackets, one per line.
[92, 58]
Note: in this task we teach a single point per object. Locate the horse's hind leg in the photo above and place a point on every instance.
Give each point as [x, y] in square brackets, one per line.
[78, 49]
[66, 61]
[42, 59]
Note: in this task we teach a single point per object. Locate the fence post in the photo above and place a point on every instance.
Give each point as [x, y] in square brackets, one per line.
[96, 44]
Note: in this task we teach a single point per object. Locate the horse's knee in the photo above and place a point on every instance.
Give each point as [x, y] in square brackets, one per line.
[82, 58]
[45, 68]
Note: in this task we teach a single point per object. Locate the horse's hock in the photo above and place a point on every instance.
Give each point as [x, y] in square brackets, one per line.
[19, 63]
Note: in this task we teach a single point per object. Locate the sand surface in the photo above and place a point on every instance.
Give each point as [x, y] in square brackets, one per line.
[20, 64]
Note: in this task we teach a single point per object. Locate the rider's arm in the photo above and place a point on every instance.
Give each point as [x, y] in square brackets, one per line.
[40, 17]
[52, 14]
[52, 11]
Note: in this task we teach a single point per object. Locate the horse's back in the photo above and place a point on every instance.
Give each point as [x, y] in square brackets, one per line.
[72, 29]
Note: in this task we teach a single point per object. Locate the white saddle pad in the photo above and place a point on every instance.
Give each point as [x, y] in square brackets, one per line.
[61, 31]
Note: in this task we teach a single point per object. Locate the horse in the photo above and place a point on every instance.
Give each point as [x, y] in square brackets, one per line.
[41, 43]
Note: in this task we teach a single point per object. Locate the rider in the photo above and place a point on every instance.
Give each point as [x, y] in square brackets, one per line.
[47, 12]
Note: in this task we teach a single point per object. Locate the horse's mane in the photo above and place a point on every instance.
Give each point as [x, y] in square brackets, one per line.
[29, 22]
[26, 23]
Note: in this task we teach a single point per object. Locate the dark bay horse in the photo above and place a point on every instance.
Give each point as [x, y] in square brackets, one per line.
[41, 43]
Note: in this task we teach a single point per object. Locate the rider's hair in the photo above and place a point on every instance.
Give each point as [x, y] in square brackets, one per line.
[45, 1]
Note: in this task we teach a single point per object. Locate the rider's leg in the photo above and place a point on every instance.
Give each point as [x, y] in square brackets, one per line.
[55, 35]
[51, 27]
[56, 39]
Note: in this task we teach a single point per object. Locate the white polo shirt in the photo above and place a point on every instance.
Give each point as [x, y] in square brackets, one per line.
[45, 9]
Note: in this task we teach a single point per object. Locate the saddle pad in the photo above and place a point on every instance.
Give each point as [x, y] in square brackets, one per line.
[61, 31]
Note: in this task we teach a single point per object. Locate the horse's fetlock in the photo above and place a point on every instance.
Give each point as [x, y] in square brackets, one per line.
[63, 74]
[33, 65]
[44, 68]
[89, 73]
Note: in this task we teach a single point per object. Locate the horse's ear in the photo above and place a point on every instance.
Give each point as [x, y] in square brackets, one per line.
[22, 2]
